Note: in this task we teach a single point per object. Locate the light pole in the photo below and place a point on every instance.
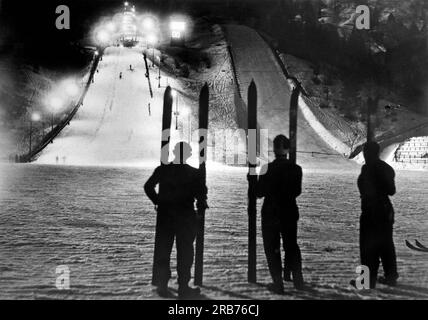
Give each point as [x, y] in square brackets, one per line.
[176, 112]
[55, 104]
[35, 116]
[103, 37]
[151, 39]
[159, 75]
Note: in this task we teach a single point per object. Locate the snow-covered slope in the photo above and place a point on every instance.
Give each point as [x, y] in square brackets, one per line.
[254, 60]
[113, 127]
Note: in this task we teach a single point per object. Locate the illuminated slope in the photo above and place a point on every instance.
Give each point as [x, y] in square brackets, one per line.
[113, 127]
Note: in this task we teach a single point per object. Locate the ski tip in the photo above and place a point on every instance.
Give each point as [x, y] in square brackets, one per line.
[204, 95]
[168, 91]
[252, 94]
[205, 88]
[410, 245]
[420, 245]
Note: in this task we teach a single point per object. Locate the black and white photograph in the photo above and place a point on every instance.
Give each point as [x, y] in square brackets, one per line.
[232, 150]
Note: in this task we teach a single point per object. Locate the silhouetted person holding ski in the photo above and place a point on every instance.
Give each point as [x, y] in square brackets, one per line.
[376, 184]
[280, 183]
[179, 186]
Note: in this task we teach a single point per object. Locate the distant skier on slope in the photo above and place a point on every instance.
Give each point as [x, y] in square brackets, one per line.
[179, 186]
[120, 75]
[376, 184]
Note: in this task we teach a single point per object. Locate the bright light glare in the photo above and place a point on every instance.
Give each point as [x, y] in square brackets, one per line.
[103, 36]
[111, 26]
[71, 88]
[148, 23]
[35, 116]
[126, 3]
[151, 39]
[174, 93]
[177, 26]
[55, 103]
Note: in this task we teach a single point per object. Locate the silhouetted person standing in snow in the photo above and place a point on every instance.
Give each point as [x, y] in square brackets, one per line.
[280, 183]
[376, 184]
[179, 186]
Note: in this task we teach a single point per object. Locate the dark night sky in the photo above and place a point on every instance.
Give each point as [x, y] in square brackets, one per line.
[34, 21]
[29, 25]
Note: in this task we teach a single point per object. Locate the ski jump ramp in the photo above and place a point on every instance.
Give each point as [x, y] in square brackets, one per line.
[254, 59]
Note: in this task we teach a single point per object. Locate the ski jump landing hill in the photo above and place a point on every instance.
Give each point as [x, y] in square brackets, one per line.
[113, 126]
[253, 58]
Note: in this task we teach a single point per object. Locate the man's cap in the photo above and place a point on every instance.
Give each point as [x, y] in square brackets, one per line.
[281, 141]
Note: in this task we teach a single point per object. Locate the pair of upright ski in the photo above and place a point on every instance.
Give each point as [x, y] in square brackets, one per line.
[252, 143]
[203, 136]
[252, 150]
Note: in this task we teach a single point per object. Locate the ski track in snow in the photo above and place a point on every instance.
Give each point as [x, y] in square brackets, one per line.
[97, 221]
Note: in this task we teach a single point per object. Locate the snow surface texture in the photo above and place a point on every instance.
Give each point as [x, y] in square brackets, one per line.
[98, 222]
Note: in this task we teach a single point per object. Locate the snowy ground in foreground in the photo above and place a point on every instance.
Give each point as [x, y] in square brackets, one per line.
[98, 222]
